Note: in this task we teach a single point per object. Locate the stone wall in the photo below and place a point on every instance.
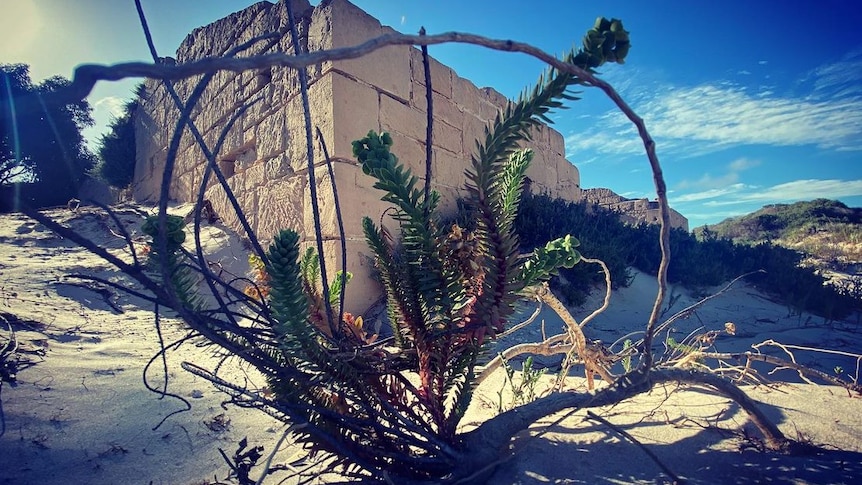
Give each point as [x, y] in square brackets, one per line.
[632, 211]
[264, 153]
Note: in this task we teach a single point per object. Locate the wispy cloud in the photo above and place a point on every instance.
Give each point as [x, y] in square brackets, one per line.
[839, 79]
[111, 105]
[696, 120]
[731, 177]
[708, 181]
[732, 189]
[743, 163]
[786, 192]
[808, 189]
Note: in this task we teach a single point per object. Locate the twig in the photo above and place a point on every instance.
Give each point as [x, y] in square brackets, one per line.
[673, 476]
[340, 221]
[334, 327]
[287, 432]
[550, 346]
[801, 369]
[592, 363]
[429, 125]
[520, 325]
[607, 301]
[689, 309]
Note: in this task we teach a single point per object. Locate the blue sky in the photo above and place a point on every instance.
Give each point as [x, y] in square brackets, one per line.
[750, 103]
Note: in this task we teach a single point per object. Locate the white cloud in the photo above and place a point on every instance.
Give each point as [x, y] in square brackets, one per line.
[787, 192]
[110, 105]
[808, 189]
[403, 19]
[707, 181]
[839, 79]
[710, 193]
[696, 120]
[743, 163]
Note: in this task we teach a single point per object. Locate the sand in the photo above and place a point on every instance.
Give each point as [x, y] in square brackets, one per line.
[81, 413]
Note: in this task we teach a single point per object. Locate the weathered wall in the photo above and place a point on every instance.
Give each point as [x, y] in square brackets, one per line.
[632, 211]
[264, 152]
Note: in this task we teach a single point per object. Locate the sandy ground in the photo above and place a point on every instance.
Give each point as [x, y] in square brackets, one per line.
[81, 413]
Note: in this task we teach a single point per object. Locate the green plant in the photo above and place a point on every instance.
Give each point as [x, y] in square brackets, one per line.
[165, 255]
[522, 392]
[627, 357]
[444, 298]
[448, 291]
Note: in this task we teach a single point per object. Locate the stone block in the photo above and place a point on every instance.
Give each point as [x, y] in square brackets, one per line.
[568, 179]
[556, 142]
[539, 137]
[448, 169]
[272, 136]
[447, 137]
[341, 24]
[494, 97]
[234, 138]
[488, 110]
[320, 103]
[278, 168]
[219, 85]
[410, 153]
[444, 108]
[441, 76]
[247, 202]
[472, 130]
[255, 176]
[284, 85]
[466, 95]
[396, 116]
[542, 172]
[281, 205]
[354, 202]
[257, 111]
[355, 109]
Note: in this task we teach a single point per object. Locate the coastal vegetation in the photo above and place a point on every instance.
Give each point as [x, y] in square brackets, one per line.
[706, 257]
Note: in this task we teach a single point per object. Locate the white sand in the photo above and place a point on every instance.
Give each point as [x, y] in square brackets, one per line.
[81, 413]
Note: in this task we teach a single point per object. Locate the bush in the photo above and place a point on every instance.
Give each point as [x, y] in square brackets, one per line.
[694, 263]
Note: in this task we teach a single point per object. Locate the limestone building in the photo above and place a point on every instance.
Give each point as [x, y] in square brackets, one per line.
[632, 211]
[264, 154]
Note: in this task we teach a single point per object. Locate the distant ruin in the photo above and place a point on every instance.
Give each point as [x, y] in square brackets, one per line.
[632, 211]
[264, 155]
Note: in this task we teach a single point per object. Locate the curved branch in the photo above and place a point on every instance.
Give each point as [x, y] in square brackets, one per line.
[485, 443]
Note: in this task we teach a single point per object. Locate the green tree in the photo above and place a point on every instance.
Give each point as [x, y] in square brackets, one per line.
[116, 150]
[42, 151]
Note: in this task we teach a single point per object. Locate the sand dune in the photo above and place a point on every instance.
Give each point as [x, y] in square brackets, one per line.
[81, 412]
